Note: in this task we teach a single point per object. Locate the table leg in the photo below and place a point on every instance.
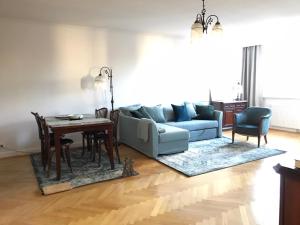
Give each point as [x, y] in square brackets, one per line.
[57, 137]
[110, 149]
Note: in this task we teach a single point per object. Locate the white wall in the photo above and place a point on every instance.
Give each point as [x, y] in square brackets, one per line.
[49, 68]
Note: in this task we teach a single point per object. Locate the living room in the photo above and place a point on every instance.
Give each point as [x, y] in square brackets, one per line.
[50, 54]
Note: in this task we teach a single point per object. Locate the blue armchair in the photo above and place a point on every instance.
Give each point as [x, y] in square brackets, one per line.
[254, 121]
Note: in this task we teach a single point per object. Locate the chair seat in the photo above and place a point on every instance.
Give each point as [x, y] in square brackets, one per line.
[66, 141]
[100, 135]
[62, 140]
[247, 129]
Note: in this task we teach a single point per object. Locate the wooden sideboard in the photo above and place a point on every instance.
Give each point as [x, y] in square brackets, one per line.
[289, 195]
[229, 108]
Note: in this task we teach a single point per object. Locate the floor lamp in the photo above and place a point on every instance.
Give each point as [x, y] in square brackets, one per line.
[106, 73]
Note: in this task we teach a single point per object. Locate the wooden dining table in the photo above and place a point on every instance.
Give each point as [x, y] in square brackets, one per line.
[61, 125]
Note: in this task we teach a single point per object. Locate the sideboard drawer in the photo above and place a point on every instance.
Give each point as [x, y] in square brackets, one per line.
[229, 106]
[240, 107]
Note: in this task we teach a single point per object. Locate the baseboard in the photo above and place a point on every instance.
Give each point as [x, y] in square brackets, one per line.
[285, 129]
[7, 152]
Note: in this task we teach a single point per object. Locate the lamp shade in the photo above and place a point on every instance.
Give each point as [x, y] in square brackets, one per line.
[217, 28]
[99, 79]
[197, 31]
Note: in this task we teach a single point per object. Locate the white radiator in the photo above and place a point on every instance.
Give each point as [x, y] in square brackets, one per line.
[285, 112]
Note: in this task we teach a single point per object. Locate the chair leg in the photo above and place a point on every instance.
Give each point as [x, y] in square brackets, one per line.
[233, 133]
[94, 149]
[266, 140]
[90, 145]
[99, 152]
[83, 144]
[49, 162]
[63, 156]
[43, 156]
[247, 138]
[117, 150]
[68, 156]
[258, 141]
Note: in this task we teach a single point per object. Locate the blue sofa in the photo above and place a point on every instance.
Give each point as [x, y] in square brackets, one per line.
[154, 139]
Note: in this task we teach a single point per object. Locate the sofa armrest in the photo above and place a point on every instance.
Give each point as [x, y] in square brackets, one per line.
[128, 128]
[218, 115]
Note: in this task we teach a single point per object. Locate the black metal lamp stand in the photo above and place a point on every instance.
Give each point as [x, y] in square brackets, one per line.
[108, 71]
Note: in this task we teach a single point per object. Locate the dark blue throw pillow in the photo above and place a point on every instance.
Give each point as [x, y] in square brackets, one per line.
[205, 112]
[181, 113]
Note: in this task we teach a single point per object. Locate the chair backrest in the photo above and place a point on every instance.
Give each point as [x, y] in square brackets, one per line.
[37, 118]
[114, 117]
[101, 113]
[45, 132]
[255, 113]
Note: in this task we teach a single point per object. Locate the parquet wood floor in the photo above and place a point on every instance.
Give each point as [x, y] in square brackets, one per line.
[247, 194]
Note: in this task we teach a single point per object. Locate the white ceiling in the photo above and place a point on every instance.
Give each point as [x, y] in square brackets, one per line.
[172, 17]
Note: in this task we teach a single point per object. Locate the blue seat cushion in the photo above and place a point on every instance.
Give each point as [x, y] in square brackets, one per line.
[194, 124]
[247, 129]
[172, 134]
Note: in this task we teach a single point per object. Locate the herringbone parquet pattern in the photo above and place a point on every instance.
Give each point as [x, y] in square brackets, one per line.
[242, 195]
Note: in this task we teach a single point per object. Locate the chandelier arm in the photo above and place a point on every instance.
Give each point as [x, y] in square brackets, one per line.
[210, 19]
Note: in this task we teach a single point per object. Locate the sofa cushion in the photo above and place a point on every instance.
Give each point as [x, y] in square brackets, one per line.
[205, 112]
[169, 113]
[156, 113]
[126, 109]
[181, 113]
[140, 113]
[247, 129]
[190, 109]
[194, 124]
[172, 133]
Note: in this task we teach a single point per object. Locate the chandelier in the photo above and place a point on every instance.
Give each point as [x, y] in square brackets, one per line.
[201, 24]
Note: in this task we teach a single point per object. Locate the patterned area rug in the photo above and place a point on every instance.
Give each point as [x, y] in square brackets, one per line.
[210, 155]
[84, 172]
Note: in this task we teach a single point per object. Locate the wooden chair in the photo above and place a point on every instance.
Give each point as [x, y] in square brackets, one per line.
[101, 137]
[48, 144]
[89, 136]
[44, 155]
[101, 113]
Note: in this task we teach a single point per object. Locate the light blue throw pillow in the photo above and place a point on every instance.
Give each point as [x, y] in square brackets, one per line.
[156, 113]
[190, 109]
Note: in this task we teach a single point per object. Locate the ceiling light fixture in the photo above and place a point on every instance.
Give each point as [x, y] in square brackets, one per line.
[201, 24]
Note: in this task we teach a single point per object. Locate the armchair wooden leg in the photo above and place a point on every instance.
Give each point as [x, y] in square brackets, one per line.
[247, 138]
[266, 140]
[233, 133]
[258, 141]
